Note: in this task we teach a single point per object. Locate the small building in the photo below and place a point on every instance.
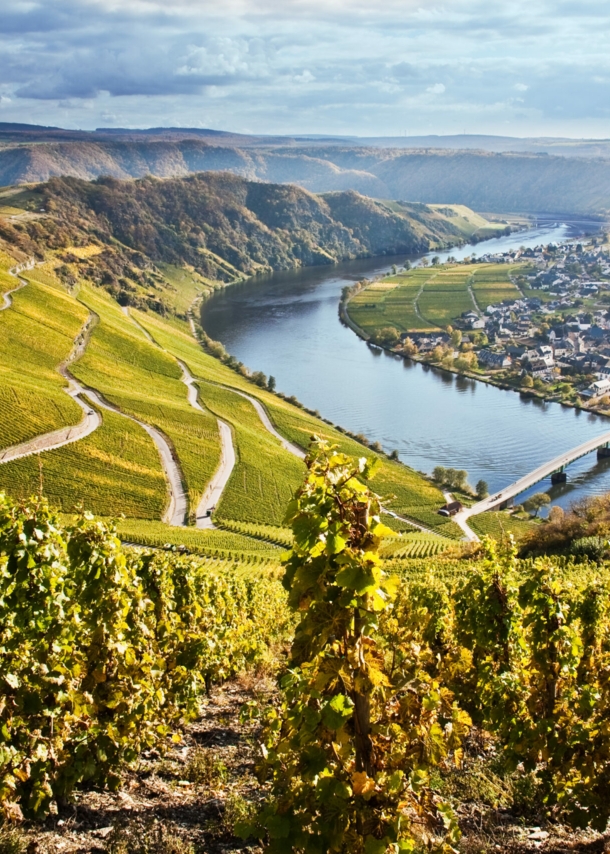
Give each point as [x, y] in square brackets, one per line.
[451, 508]
[596, 389]
[494, 360]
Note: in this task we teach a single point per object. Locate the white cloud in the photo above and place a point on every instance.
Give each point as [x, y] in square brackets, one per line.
[234, 64]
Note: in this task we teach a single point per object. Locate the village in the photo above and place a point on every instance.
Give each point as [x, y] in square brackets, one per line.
[553, 339]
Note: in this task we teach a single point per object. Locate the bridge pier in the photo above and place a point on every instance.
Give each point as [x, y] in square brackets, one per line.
[558, 477]
[603, 452]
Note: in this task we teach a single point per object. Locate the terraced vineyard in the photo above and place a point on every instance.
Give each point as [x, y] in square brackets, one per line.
[418, 545]
[268, 533]
[114, 470]
[36, 334]
[499, 525]
[216, 543]
[265, 476]
[141, 379]
[407, 491]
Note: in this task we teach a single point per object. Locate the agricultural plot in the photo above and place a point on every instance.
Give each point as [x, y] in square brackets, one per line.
[446, 296]
[418, 545]
[267, 533]
[491, 283]
[402, 489]
[7, 282]
[182, 287]
[213, 543]
[36, 334]
[390, 302]
[142, 380]
[115, 469]
[265, 475]
[499, 525]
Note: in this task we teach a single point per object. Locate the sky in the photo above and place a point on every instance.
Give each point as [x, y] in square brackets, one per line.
[342, 67]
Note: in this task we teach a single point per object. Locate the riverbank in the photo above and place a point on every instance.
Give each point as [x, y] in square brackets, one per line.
[487, 379]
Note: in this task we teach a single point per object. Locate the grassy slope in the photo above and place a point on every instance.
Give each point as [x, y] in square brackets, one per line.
[144, 381]
[36, 334]
[114, 470]
[415, 496]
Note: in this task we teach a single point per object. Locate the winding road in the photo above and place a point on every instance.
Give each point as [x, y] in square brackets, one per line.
[177, 508]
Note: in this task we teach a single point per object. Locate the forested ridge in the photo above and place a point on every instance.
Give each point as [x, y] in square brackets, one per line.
[223, 225]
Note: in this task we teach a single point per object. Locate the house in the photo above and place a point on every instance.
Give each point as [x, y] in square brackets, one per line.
[494, 360]
[451, 508]
[596, 389]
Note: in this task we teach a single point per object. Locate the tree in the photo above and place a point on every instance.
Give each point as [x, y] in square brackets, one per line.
[527, 381]
[556, 514]
[387, 336]
[456, 337]
[351, 752]
[439, 475]
[271, 383]
[410, 347]
[259, 378]
[536, 503]
[424, 262]
[482, 489]
[406, 265]
[394, 269]
[436, 261]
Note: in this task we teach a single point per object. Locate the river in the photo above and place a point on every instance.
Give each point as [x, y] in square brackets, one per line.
[287, 325]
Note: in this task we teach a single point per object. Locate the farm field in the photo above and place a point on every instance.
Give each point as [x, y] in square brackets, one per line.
[265, 475]
[114, 470]
[416, 545]
[431, 297]
[144, 381]
[499, 525]
[7, 282]
[225, 545]
[37, 333]
[492, 283]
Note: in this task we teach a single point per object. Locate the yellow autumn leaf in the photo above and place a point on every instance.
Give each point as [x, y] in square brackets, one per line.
[362, 784]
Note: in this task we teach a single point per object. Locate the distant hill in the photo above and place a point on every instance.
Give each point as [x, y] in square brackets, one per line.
[219, 224]
[482, 180]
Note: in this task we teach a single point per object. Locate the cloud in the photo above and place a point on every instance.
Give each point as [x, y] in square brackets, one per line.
[250, 64]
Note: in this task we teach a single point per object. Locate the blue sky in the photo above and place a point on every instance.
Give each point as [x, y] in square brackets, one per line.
[393, 67]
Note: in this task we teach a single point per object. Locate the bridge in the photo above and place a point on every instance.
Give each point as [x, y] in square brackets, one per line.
[555, 469]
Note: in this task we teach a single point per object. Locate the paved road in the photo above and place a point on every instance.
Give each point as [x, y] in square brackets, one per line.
[216, 486]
